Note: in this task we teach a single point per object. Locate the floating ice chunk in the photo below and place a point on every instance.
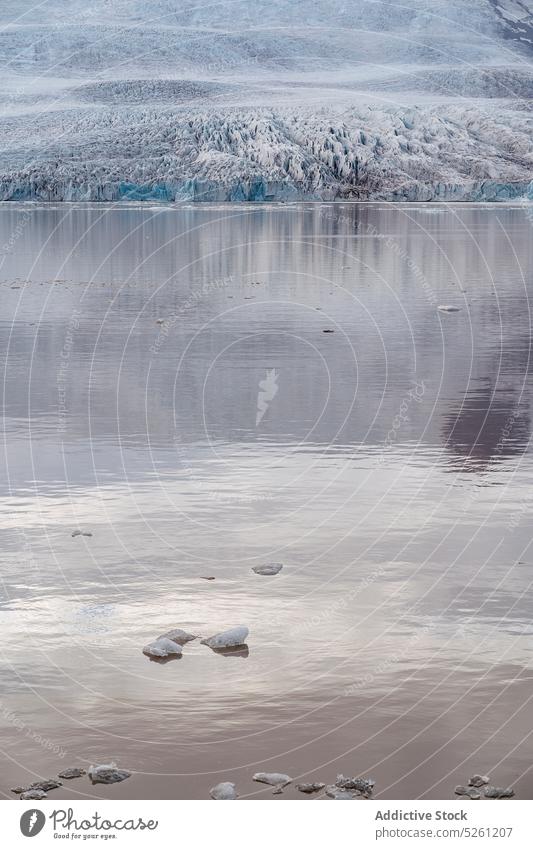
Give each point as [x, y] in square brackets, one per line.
[312, 787]
[226, 639]
[33, 794]
[478, 780]
[335, 792]
[81, 534]
[498, 792]
[471, 792]
[72, 772]
[107, 774]
[224, 790]
[275, 779]
[162, 647]
[177, 635]
[448, 308]
[359, 785]
[268, 569]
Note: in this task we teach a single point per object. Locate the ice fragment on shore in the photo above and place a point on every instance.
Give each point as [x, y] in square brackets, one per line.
[224, 790]
[226, 639]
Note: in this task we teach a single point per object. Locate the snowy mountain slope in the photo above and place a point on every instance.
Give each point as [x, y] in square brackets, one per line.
[287, 98]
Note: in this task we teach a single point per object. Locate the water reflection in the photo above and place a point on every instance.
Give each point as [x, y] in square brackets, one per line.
[138, 347]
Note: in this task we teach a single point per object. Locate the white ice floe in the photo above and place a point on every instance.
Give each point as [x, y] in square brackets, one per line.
[448, 308]
[162, 647]
[226, 639]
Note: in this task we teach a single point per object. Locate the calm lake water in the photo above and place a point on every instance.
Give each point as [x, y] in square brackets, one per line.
[386, 464]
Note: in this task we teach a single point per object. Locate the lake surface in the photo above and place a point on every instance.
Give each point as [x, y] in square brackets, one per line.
[387, 465]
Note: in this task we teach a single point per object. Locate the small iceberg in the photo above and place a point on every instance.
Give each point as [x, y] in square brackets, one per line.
[448, 308]
[107, 774]
[268, 569]
[227, 639]
[163, 647]
[224, 790]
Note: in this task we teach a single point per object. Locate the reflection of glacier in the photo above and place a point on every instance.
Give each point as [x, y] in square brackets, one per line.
[278, 100]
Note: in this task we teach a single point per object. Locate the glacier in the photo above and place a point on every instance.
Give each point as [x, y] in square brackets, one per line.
[281, 101]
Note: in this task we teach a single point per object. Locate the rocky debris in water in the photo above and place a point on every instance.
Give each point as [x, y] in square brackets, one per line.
[33, 794]
[364, 786]
[268, 569]
[224, 790]
[163, 647]
[278, 780]
[227, 639]
[478, 780]
[471, 792]
[72, 772]
[498, 792]
[448, 308]
[312, 787]
[107, 774]
[177, 635]
[81, 534]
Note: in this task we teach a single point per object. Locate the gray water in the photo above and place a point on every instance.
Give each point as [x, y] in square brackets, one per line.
[387, 467]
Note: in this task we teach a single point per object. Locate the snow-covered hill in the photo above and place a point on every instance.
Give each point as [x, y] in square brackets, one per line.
[279, 99]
